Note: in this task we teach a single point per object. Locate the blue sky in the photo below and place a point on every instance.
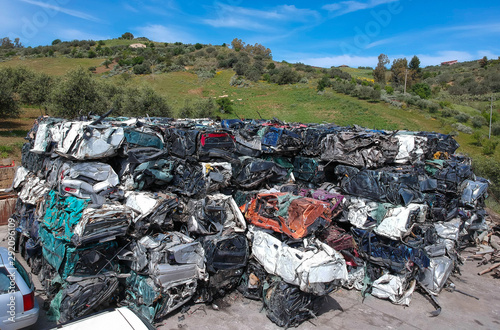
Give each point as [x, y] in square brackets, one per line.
[322, 33]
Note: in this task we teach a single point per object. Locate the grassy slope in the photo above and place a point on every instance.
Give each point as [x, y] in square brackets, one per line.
[359, 73]
[13, 131]
[56, 66]
[119, 42]
[290, 102]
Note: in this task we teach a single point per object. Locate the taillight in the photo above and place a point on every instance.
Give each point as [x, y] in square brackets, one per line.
[70, 190]
[29, 301]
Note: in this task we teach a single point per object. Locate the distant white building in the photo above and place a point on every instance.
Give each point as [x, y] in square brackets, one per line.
[137, 46]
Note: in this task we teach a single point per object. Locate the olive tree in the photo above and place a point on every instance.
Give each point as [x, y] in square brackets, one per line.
[76, 94]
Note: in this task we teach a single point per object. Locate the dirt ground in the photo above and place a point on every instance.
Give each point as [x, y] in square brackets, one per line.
[346, 309]
[103, 68]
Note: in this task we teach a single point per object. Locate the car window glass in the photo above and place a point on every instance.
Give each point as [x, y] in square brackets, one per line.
[21, 271]
[4, 281]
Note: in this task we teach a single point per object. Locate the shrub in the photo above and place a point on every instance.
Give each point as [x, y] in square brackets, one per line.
[374, 94]
[323, 83]
[489, 147]
[458, 90]
[205, 108]
[337, 73]
[142, 69]
[389, 89]
[363, 92]
[478, 121]
[238, 81]
[285, 75]
[76, 94]
[486, 116]
[445, 104]
[145, 101]
[8, 105]
[202, 74]
[200, 53]
[422, 104]
[391, 101]
[449, 112]
[495, 129]
[343, 87]
[478, 138]
[462, 128]
[240, 68]
[413, 99]
[433, 107]
[187, 111]
[462, 117]
[36, 89]
[252, 74]
[436, 90]
[106, 63]
[488, 168]
[225, 105]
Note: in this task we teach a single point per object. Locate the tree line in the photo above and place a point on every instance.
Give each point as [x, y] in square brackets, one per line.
[79, 93]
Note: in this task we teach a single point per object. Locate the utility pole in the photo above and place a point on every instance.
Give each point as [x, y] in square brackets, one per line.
[406, 76]
[491, 115]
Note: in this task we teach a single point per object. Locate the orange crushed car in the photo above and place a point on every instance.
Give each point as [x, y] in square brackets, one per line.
[285, 213]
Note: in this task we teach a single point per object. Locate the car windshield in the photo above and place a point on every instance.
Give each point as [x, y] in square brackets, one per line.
[23, 273]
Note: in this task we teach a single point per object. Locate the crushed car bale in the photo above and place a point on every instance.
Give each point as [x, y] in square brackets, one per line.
[154, 213]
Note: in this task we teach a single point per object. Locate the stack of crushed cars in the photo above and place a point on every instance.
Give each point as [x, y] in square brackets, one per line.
[154, 213]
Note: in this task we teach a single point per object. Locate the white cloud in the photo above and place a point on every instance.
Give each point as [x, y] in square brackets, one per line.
[259, 20]
[156, 7]
[345, 7]
[485, 28]
[70, 12]
[451, 34]
[238, 23]
[162, 33]
[382, 42]
[130, 8]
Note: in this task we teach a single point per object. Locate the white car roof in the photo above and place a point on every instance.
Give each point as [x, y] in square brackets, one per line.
[120, 319]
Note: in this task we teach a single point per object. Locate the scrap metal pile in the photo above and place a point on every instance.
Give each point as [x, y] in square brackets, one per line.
[154, 213]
